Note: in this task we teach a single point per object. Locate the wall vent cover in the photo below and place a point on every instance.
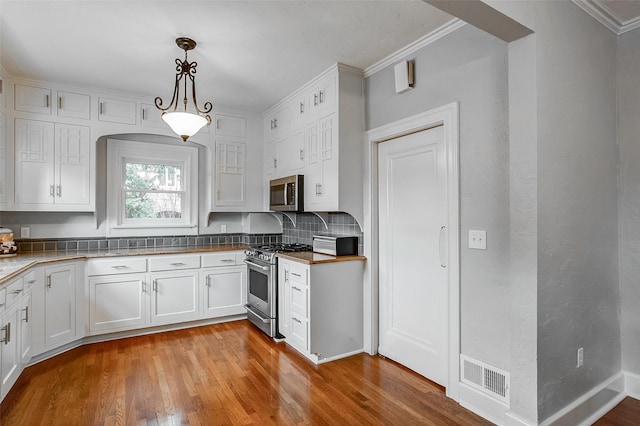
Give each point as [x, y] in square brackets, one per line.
[485, 378]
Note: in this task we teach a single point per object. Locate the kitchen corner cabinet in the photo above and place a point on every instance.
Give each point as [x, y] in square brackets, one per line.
[53, 169]
[321, 308]
[60, 305]
[322, 140]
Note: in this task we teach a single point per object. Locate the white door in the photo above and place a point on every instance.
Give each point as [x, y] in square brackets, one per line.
[413, 281]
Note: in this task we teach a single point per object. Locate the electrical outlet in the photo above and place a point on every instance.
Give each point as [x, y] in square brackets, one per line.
[580, 361]
[223, 229]
[478, 240]
[24, 232]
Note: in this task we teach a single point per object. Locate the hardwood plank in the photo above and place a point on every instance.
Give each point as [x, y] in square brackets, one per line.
[223, 374]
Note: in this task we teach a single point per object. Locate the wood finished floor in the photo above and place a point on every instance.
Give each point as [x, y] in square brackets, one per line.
[230, 374]
[222, 374]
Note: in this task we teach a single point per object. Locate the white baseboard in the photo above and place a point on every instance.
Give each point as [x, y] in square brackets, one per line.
[511, 419]
[592, 405]
[483, 405]
[632, 384]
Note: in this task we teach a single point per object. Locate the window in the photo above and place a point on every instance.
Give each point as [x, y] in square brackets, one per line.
[152, 189]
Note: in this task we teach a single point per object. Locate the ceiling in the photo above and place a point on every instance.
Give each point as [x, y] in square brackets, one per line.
[250, 54]
[619, 16]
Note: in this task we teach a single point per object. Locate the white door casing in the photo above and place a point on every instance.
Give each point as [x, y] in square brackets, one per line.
[412, 272]
[447, 117]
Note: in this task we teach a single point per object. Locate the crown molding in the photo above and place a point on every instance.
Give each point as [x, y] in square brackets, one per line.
[605, 18]
[436, 34]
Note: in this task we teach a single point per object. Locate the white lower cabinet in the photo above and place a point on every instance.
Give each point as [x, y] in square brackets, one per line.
[174, 297]
[134, 292]
[117, 302]
[60, 305]
[10, 364]
[26, 319]
[321, 308]
[225, 291]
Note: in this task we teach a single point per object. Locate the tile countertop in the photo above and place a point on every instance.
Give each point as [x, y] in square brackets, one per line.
[311, 257]
[13, 266]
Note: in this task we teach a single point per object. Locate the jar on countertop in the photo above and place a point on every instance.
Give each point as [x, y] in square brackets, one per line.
[7, 246]
[6, 235]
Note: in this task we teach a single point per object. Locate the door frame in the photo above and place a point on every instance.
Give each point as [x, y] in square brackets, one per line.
[448, 117]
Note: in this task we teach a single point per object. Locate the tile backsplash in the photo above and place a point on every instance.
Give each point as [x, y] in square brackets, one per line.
[25, 246]
[308, 224]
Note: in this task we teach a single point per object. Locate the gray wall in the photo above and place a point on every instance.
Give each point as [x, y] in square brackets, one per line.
[578, 291]
[629, 200]
[468, 66]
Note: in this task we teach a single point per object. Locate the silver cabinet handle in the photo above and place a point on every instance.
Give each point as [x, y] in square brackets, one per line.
[155, 285]
[275, 163]
[26, 314]
[258, 314]
[302, 154]
[208, 281]
[48, 281]
[51, 191]
[7, 333]
[271, 124]
[31, 281]
[296, 320]
[100, 108]
[144, 286]
[59, 102]
[58, 190]
[321, 96]
[275, 123]
[296, 288]
[144, 113]
[301, 107]
[296, 275]
[17, 291]
[227, 260]
[46, 101]
[118, 267]
[315, 99]
[178, 264]
[441, 240]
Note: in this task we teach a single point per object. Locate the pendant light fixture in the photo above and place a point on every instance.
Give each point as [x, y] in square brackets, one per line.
[186, 122]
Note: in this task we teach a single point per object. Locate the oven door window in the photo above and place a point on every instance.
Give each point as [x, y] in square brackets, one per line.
[259, 285]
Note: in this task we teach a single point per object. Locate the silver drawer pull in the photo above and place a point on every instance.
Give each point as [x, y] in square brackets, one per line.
[227, 260]
[296, 288]
[26, 314]
[17, 291]
[31, 281]
[296, 275]
[178, 264]
[119, 266]
[296, 320]
[7, 334]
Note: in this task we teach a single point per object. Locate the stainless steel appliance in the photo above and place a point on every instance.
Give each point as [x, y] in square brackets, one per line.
[335, 246]
[287, 194]
[262, 288]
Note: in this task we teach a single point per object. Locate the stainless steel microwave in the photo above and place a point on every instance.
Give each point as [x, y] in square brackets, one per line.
[287, 194]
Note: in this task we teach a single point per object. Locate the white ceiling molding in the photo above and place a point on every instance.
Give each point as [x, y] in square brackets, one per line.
[436, 34]
[618, 16]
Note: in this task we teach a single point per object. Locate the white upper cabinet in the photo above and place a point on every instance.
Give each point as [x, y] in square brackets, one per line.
[323, 141]
[32, 99]
[116, 110]
[228, 125]
[150, 116]
[229, 182]
[52, 166]
[74, 105]
[276, 122]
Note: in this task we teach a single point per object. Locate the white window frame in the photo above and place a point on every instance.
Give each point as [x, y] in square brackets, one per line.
[120, 152]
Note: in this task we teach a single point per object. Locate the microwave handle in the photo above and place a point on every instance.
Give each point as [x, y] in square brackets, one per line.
[286, 194]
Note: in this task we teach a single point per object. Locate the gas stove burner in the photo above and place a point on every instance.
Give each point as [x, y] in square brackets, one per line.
[278, 248]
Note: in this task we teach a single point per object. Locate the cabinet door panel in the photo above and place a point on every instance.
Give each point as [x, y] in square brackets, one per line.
[116, 111]
[228, 125]
[34, 162]
[72, 164]
[299, 299]
[9, 349]
[60, 305]
[25, 317]
[32, 99]
[299, 332]
[225, 291]
[230, 174]
[174, 297]
[152, 117]
[117, 302]
[74, 105]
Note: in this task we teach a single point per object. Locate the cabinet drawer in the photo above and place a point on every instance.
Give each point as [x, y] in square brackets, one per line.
[299, 336]
[299, 299]
[298, 274]
[172, 263]
[228, 258]
[119, 265]
[29, 280]
[14, 291]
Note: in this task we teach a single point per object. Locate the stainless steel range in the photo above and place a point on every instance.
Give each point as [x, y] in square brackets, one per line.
[262, 273]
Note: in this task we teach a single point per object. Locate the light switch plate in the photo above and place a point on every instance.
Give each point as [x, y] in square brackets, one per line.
[478, 240]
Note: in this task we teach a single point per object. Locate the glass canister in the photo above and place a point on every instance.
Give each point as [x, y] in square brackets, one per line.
[6, 235]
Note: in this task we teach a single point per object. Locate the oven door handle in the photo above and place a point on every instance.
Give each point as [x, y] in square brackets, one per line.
[255, 265]
[260, 315]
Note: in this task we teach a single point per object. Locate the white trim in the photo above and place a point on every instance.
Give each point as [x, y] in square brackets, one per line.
[412, 47]
[632, 384]
[601, 15]
[615, 383]
[448, 117]
[482, 404]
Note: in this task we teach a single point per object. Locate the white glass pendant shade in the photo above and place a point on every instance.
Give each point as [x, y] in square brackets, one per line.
[184, 124]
